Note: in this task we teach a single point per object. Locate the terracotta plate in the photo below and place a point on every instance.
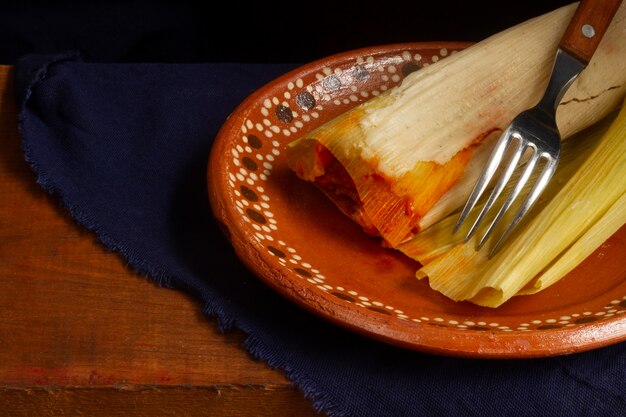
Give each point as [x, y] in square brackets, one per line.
[296, 241]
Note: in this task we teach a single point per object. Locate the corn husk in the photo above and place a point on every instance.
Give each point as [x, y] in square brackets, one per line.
[439, 238]
[580, 217]
[413, 154]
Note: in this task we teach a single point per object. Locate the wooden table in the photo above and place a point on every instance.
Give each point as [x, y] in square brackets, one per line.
[82, 334]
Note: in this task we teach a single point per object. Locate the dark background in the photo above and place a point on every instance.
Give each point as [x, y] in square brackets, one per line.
[254, 31]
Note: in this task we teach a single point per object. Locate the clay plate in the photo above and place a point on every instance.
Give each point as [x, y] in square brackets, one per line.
[296, 241]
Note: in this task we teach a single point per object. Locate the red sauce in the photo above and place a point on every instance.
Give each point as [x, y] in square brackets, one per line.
[339, 187]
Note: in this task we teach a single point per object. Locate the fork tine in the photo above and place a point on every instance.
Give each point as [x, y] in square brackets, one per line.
[485, 177]
[512, 195]
[502, 181]
[537, 189]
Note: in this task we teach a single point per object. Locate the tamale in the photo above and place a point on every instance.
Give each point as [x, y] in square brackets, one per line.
[404, 160]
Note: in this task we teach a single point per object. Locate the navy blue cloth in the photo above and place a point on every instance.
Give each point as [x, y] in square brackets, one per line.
[125, 148]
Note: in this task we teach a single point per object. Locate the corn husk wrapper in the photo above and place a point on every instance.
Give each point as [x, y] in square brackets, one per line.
[406, 159]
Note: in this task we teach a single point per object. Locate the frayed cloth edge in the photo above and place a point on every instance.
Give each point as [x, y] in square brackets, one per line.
[321, 400]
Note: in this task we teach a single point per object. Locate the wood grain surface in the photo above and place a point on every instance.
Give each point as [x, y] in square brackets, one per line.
[82, 334]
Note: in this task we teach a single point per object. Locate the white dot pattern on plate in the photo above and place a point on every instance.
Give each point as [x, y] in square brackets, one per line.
[294, 109]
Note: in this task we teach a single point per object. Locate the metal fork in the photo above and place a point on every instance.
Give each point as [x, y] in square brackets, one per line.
[534, 133]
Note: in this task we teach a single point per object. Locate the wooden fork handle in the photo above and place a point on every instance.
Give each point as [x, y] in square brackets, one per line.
[587, 27]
